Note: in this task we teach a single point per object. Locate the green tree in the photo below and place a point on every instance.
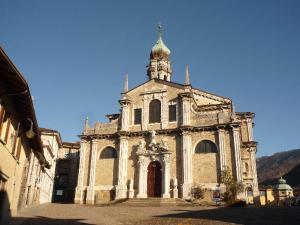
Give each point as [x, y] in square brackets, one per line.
[233, 187]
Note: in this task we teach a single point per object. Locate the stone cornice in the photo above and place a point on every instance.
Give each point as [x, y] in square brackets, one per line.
[185, 95]
[245, 115]
[249, 144]
[210, 107]
[125, 101]
[154, 91]
[178, 130]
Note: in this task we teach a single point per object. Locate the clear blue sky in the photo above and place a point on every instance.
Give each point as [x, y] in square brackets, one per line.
[74, 55]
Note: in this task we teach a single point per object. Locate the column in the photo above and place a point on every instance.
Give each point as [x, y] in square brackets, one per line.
[145, 112]
[79, 188]
[90, 199]
[164, 111]
[221, 136]
[142, 192]
[236, 140]
[121, 190]
[166, 161]
[254, 171]
[186, 109]
[187, 164]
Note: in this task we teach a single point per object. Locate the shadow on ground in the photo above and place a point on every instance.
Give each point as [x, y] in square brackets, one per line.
[39, 220]
[247, 216]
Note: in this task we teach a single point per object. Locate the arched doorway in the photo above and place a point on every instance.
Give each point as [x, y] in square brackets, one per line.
[154, 179]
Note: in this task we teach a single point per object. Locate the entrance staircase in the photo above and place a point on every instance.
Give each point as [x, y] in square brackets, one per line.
[150, 202]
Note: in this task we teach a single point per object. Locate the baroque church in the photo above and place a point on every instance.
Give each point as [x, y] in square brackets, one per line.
[167, 137]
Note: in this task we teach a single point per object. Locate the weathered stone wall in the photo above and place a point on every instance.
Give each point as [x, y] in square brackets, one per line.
[205, 165]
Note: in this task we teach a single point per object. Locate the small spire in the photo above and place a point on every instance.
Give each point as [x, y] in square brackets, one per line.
[126, 83]
[86, 123]
[159, 28]
[187, 77]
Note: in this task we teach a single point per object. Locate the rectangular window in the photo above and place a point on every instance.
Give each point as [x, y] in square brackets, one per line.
[7, 120]
[19, 149]
[137, 116]
[2, 112]
[172, 113]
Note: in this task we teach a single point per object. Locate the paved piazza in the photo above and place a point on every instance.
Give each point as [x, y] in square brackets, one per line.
[69, 214]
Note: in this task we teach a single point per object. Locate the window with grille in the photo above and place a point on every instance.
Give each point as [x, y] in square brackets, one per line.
[155, 111]
[137, 116]
[172, 113]
[206, 146]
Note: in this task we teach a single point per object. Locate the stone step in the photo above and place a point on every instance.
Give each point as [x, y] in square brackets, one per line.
[154, 202]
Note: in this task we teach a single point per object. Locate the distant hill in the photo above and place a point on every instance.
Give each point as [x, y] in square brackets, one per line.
[285, 164]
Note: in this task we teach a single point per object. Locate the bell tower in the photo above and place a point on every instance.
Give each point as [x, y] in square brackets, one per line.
[160, 65]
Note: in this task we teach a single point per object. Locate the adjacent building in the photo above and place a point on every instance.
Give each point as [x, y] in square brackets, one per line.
[52, 143]
[66, 173]
[21, 151]
[167, 137]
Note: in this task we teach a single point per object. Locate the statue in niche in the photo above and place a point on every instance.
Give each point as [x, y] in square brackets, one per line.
[153, 144]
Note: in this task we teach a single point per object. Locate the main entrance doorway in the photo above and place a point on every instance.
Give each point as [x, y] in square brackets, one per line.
[154, 179]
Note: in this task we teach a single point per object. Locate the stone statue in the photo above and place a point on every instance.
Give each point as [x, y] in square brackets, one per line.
[130, 191]
[153, 144]
[142, 147]
[175, 189]
[164, 144]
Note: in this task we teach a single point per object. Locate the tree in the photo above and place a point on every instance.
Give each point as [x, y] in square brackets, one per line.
[233, 187]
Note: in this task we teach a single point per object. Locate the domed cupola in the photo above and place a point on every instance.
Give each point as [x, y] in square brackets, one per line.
[160, 48]
[282, 185]
[159, 66]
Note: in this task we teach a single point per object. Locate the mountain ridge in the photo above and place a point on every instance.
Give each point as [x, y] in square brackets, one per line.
[284, 164]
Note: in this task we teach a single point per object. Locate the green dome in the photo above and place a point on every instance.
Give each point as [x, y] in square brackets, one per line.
[282, 185]
[160, 47]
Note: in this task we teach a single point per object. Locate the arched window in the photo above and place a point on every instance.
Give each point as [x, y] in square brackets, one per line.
[154, 111]
[249, 192]
[108, 153]
[206, 146]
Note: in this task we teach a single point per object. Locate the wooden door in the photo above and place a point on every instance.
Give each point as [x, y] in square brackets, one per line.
[154, 179]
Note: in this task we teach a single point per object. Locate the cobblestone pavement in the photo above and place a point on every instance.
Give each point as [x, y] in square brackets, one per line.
[69, 214]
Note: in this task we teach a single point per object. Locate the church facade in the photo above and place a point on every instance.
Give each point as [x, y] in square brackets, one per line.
[167, 138]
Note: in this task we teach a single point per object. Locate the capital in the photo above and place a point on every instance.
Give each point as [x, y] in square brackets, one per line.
[124, 102]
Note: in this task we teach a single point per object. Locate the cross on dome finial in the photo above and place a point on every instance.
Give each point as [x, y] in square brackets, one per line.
[159, 28]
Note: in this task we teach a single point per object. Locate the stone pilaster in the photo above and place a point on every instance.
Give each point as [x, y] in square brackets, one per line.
[250, 129]
[254, 171]
[121, 190]
[90, 189]
[221, 137]
[166, 180]
[187, 164]
[186, 107]
[79, 188]
[142, 188]
[237, 150]
[145, 111]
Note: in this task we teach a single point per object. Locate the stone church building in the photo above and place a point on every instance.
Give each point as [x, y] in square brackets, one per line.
[168, 137]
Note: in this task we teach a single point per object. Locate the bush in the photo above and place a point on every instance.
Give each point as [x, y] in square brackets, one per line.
[197, 192]
[233, 187]
[239, 203]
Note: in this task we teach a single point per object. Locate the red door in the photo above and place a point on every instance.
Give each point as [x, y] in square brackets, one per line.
[154, 179]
